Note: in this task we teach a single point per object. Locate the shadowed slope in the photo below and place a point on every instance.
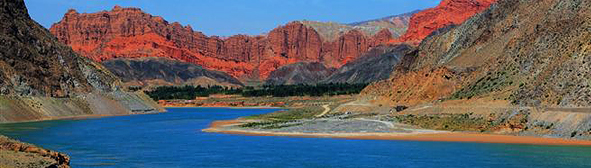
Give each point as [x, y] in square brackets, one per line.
[40, 78]
[161, 71]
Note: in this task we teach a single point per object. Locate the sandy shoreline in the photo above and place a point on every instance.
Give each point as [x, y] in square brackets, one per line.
[224, 127]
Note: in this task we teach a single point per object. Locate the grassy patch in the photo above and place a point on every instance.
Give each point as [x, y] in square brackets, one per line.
[270, 124]
[487, 84]
[282, 119]
[468, 121]
[450, 122]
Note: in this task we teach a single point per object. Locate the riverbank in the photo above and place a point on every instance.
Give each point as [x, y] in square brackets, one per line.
[454, 121]
[234, 127]
[18, 109]
[79, 117]
[18, 154]
[149, 138]
[39, 108]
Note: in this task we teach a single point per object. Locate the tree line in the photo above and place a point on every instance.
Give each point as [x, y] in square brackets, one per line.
[330, 89]
[191, 92]
[188, 92]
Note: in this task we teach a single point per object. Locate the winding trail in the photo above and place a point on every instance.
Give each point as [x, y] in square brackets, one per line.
[326, 110]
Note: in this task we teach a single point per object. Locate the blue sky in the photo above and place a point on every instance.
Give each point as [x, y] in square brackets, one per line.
[229, 17]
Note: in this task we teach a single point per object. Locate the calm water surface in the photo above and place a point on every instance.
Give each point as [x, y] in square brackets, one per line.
[174, 139]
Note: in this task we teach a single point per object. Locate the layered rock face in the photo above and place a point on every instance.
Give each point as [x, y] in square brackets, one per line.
[40, 78]
[131, 33]
[447, 13]
[525, 52]
[164, 72]
[299, 73]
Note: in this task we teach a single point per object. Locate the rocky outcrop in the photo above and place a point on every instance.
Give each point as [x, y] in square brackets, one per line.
[447, 13]
[17, 154]
[375, 65]
[350, 46]
[151, 72]
[40, 78]
[33, 63]
[299, 73]
[131, 33]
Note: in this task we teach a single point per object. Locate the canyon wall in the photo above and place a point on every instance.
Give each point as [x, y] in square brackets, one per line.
[132, 33]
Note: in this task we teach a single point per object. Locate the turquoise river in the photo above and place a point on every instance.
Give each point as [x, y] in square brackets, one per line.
[175, 139]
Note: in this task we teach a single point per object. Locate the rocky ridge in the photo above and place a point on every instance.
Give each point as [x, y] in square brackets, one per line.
[396, 24]
[132, 33]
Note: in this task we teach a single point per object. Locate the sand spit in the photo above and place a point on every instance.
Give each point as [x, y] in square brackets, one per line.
[232, 127]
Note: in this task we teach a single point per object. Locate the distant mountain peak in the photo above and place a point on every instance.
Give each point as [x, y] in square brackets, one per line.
[448, 12]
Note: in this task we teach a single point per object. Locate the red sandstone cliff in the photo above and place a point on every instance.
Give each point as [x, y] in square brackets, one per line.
[131, 33]
[448, 12]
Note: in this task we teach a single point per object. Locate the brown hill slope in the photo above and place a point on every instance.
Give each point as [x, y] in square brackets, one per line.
[520, 67]
[524, 52]
[40, 78]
